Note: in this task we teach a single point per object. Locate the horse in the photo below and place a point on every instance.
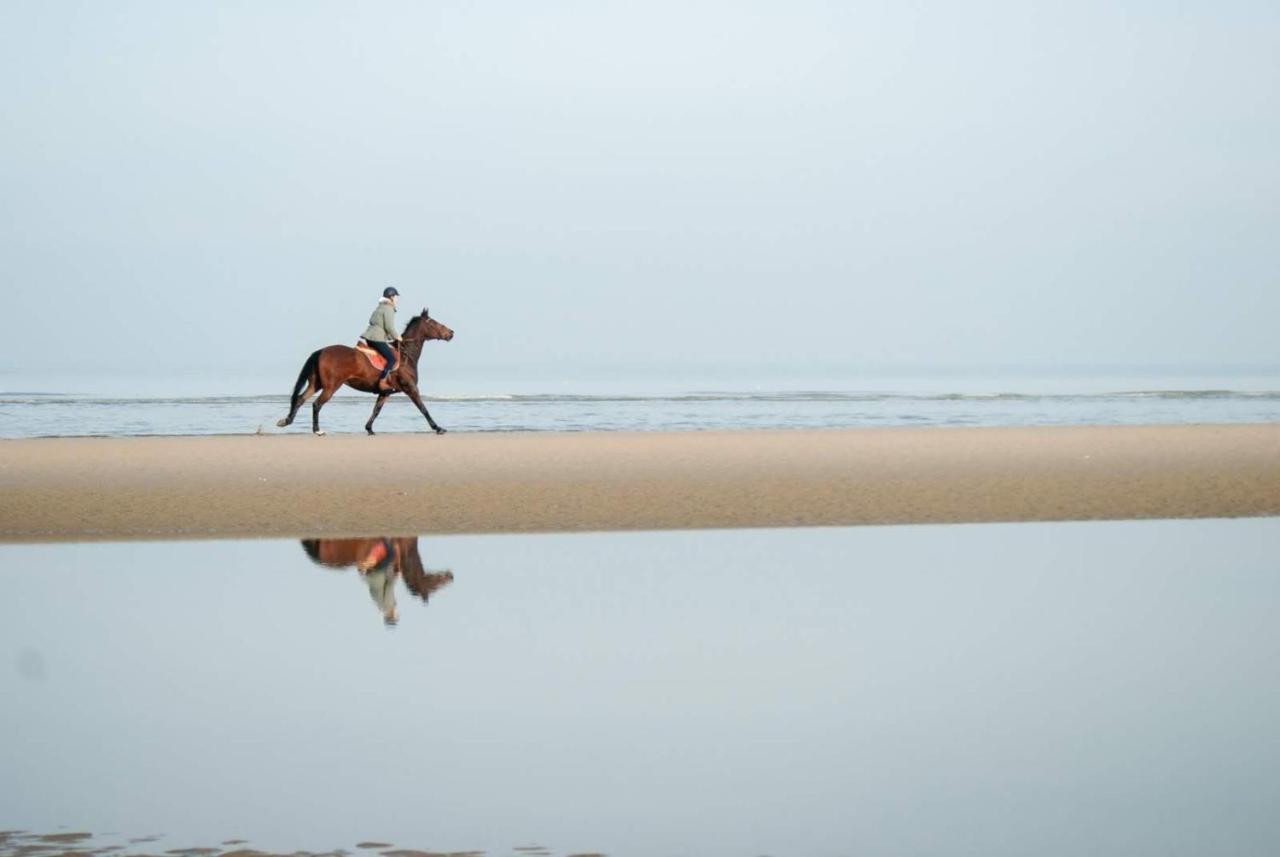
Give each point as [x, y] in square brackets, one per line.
[326, 370]
[367, 553]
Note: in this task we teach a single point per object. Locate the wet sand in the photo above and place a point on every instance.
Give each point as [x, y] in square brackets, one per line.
[195, 487]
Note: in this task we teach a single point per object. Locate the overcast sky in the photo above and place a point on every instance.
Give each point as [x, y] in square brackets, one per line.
[694, 184]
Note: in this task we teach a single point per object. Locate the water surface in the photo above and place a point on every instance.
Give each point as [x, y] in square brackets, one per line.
[1101, 688]
[734, 401]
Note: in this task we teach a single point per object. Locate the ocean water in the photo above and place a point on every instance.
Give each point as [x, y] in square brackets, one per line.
[639, 402]
[997, 690]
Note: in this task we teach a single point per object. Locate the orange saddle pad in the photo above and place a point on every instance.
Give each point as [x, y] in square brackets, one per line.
[374, 357]
[376, 556]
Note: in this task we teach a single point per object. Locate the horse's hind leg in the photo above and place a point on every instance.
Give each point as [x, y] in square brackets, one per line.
[297, 404]
[325, 395]
[307, 378]
[377, 407]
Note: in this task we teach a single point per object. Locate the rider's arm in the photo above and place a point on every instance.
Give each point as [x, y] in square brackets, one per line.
[389, 323]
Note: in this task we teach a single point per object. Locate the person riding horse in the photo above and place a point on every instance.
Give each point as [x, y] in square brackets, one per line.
[330, 368]
[381, 332]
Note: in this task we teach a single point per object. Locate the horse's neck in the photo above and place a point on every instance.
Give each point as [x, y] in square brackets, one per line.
[410, 351]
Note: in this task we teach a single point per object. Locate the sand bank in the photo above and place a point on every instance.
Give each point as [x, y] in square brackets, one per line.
[472, 483]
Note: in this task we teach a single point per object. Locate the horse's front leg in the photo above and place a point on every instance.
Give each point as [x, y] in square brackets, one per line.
[411, 390]
[377, 407]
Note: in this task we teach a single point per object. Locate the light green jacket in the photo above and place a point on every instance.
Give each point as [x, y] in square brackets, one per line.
[382, 324]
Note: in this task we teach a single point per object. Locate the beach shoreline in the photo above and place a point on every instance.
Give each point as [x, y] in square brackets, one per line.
[299, 485]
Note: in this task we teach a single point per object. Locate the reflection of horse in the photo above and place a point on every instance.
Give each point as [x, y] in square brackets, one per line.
[329, 368]
[396, 556]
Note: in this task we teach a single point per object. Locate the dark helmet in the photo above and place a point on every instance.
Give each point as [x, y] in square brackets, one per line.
[390, 292]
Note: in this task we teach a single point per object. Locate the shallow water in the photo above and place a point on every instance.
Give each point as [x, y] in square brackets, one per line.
[189, 406]
[38, 416]
[1101, 688]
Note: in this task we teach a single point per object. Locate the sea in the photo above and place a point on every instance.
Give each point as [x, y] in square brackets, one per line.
[518, 399]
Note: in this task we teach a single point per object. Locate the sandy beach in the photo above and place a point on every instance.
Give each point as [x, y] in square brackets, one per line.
[106, 488]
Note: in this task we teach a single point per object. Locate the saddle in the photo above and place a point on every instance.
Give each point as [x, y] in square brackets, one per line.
[374, 357]
[375, 558]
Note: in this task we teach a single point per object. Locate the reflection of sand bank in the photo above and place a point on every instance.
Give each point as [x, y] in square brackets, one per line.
[259, 486]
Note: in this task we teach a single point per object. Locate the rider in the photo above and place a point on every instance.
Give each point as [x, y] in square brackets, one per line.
[382, 331]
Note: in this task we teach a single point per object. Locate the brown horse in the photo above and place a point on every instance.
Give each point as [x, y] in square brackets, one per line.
[364, 553]
[329, 368]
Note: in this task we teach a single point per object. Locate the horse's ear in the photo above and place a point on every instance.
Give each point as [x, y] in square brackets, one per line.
[425, 314]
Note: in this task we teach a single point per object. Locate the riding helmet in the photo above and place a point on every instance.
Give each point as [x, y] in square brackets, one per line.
[390, 292]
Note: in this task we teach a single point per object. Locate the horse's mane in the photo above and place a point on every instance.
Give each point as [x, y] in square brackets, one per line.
[412, 345]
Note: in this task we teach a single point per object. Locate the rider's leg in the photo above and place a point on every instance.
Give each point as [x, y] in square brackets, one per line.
[389, 355]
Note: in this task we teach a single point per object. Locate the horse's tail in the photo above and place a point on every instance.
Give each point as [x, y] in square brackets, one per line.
[312, 547]
[308, 369]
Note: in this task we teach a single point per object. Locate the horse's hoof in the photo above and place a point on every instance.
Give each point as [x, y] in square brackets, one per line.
[281, 423]
[319, 434]
[370, 431]
[439, 430]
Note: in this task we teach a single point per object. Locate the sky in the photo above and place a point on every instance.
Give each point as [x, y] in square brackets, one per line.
[864, 186]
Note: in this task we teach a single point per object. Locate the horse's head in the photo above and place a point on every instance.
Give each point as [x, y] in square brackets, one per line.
[425, 327]
[421, 581]
[428, 583]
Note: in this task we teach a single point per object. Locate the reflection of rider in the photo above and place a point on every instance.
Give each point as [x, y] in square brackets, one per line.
[378, 569]
[382, 331]
[382, 562]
